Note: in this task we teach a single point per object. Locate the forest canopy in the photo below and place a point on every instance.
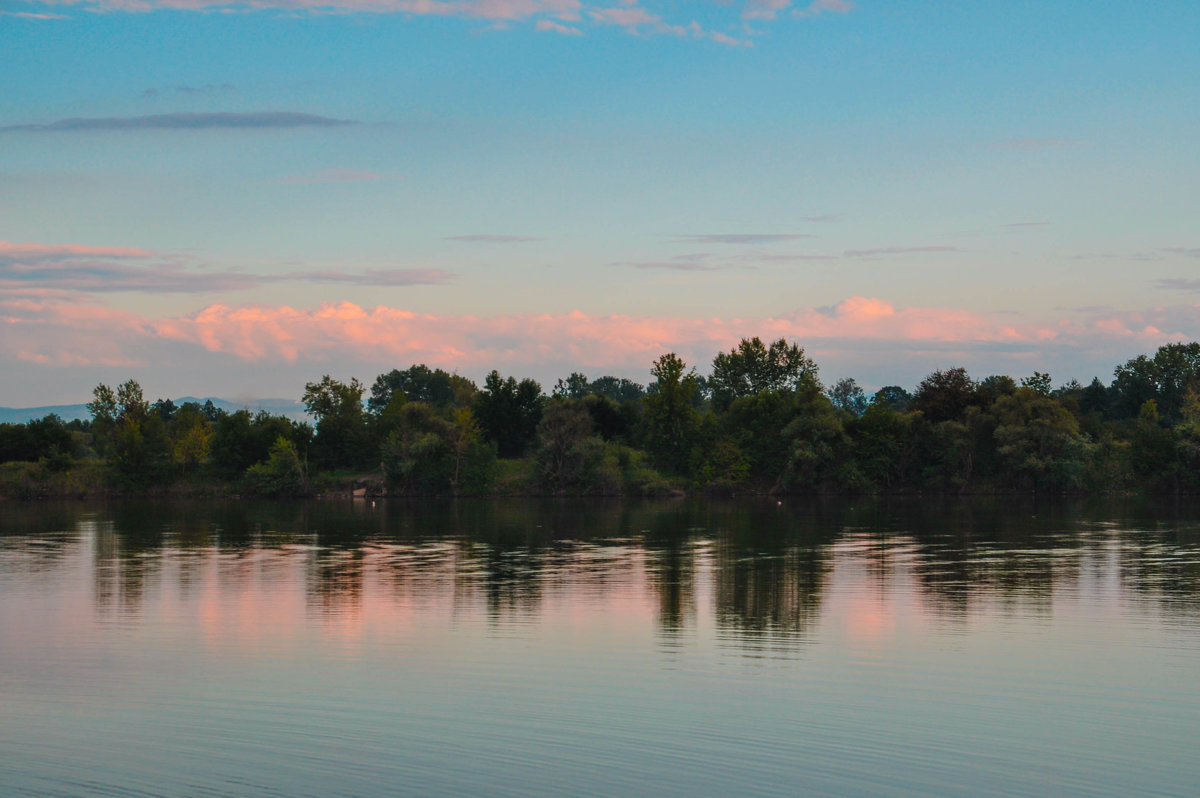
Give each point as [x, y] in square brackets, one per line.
[758, 421]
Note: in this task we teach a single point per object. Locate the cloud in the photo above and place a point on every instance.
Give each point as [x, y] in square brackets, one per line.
[485, 238]
[77, 268]
[564, 17]
[1179, 284]
[334, 176]
[1034, 144]
[764, 9]
[864, 253]
[775, 258]
[679, 265]
[38, 252]
[743, 238]
[549, 26]
[337, 331]
[818, 7]
[1026, 224]
[30, 15]
[826, 218]
[630, 16]
[721, 38]
[207, 90]
[1189, 252]
[182, 121]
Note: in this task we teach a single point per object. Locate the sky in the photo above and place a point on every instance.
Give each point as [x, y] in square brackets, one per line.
[235, 198]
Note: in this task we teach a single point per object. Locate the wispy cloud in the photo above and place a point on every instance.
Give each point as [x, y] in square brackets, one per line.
[77, 268]
[334, 176]
[1038, 144]
[183, 121]
[866, 253]
[487, 238]
[550, 26]
[764, 9]
[819, 7]
[207, 90]
[1187, 252]
[823, 219]
[31, 15]
[1016, 225]
[743, 238]
[1179, 284]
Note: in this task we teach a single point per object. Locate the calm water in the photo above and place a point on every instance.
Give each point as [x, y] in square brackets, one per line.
[542, 648]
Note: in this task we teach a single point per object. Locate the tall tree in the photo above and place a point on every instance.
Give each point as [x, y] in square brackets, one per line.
[753, 367]
[508, 412]
[670, 419]
[342, 439]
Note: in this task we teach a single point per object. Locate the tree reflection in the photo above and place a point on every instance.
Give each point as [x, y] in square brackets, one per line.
[759, 571]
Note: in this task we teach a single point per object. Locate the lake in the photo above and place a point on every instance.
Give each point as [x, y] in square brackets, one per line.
[811, 647]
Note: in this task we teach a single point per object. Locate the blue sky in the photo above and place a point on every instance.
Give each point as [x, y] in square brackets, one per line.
[237, 198]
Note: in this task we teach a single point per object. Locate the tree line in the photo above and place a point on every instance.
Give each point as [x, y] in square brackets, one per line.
[759, 421]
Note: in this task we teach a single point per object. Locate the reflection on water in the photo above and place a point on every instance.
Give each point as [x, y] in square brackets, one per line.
[877, 646]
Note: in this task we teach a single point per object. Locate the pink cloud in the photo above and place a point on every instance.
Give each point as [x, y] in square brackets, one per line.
[343, 330]
[33, 252]
[818, 7]
[548, 26]
[276, 348]
[764, 9]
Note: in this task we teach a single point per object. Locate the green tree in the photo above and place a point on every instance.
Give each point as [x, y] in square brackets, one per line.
[848, 397]
[343, 437]
[568, 453]
[430, 454]
[281, 474]
[1039, 383]
[1038, 441]
[670, 419]
[419, 383]
[944, 395]
[133, 439]
[508, 412]
[753, 367]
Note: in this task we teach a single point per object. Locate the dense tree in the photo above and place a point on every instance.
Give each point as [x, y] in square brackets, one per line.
[431, 452]
[281, 474]
[508, 412]
[848, 397]
[1038, 441]
[670, 419]
[618, 389]
[944, 395]
[419, 383]
[342, 439]
[568, 452]
[1039, 383]
[893, 396]
[1165, 378]
[770, 426]
[753, 367]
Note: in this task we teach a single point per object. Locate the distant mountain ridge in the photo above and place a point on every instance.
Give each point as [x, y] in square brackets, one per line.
[279, 407]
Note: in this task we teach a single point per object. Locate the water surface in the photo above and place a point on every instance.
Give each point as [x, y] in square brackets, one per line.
[992, 647]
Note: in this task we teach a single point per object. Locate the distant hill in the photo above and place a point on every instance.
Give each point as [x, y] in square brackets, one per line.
[279, 407]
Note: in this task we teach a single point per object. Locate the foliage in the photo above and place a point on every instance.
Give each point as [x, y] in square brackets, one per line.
[670, 420]
[508, 412]
[944, 395]
[430, 452]
[753, 367]
[769, 426]
[848, 397]
[419, 383]
[342, 439]
[281, 474]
